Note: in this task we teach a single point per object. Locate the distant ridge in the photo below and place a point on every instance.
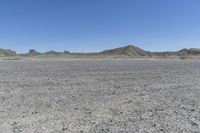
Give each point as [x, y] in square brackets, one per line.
[129, 51]
[52, 52]
[7, 52]
[33, 52]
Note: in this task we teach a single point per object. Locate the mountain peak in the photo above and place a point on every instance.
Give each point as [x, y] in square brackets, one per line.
[128, 50]
[33, 52]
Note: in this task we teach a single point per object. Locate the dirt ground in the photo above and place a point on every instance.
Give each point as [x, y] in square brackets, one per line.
[100, 96]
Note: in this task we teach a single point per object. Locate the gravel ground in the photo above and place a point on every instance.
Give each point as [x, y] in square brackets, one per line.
[100, 96]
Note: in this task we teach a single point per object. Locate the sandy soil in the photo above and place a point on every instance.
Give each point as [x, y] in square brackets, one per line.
[87, 96]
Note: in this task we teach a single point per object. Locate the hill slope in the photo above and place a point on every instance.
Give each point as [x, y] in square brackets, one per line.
[129, 51]
[7, 52]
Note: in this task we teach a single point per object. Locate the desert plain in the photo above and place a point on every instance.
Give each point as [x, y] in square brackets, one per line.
[100, 96]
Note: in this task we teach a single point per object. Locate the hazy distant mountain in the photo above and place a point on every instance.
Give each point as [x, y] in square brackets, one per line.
[52, 52]
[7, 52]
[129, 51]
[33, 52]
[192, 51]
[66, 52]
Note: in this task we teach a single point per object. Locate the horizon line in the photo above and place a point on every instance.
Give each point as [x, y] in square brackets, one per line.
[93, 51]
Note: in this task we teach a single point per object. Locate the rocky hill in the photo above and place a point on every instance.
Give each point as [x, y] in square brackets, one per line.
[7, 52]
[33, 52]
[129, 51]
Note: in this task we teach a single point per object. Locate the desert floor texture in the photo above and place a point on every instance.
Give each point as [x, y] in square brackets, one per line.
[100, 96]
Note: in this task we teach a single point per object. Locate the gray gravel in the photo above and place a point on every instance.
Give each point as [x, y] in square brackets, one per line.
[100, 96]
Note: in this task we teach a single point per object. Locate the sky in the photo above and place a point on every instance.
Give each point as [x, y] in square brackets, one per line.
[95, 25]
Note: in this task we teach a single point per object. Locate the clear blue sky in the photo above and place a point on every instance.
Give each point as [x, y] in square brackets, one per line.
[95, 25]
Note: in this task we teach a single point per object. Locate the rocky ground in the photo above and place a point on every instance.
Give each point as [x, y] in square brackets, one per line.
[100, 96]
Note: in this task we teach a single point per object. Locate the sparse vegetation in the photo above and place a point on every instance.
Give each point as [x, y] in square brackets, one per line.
[183, 57]
[12, 58]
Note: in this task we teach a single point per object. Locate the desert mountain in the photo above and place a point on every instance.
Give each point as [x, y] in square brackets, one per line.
[52, 52]
[66, 52]
[33, 52]
[7, 52]
[192, 51]
[129, 51]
